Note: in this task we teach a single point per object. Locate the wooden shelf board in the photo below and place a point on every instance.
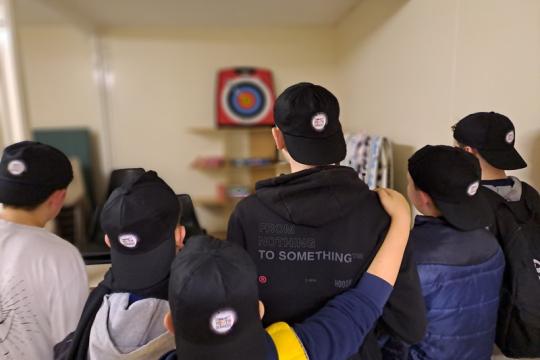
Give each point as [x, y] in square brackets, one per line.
[214, 202]
[230, 168]
[209, 201]
[226, 130]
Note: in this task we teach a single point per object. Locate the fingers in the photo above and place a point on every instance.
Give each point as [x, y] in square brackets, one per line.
[387, 194]
[386, 191]
[392, 200]
[383, 192]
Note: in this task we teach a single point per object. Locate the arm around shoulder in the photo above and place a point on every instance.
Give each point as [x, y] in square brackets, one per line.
[340, 327]
[405, 314]
[387, 261]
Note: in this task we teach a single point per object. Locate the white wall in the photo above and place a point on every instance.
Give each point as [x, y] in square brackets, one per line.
[411, 69]
[405, 69]
[58, 72]
[164, 84]
[498, 67]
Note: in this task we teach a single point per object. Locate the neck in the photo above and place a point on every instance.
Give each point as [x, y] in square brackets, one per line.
[428, 210]
[23, 217]
[293, 164]
[490, 173]
[296, 167]
[432, 212]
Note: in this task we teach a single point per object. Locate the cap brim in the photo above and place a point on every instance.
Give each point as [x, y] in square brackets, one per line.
[504, 159]
[472, 214]
[140, 271]
[19, 194]
[252, 345]
[317, 151]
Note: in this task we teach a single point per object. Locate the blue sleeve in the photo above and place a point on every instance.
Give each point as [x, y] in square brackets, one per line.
[338, 329]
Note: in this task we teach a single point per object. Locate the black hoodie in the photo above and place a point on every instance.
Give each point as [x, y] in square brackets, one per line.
[312, 234]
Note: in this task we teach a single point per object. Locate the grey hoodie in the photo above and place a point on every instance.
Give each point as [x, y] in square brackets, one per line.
[133, 333]
[509, 193]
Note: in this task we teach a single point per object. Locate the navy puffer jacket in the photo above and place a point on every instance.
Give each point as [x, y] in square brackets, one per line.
[460, 274]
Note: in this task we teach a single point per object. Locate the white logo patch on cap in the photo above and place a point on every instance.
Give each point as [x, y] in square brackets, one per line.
[510, 136]
[128, 240]
[319, 121]
[222, 321]
[16, 167]
[473, 188]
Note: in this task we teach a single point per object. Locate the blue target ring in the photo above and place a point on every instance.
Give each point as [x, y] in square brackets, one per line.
[246, 100]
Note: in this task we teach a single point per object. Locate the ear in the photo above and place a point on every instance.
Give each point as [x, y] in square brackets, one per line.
[278, 138]
[425, 199]
[179, 236]
[470, 150]
[57, 198]
[261, 309]
[107, 240]
[168, 322]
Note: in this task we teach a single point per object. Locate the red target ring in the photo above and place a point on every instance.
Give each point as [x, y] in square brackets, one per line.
[245, 98]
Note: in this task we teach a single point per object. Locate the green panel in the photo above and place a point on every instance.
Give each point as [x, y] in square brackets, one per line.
[74, 142]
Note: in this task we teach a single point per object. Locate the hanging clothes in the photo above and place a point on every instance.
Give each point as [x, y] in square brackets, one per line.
[371, 157]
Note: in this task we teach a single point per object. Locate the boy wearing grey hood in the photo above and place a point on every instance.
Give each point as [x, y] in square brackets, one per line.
[123, 317]
[140, 222]
[491, 138]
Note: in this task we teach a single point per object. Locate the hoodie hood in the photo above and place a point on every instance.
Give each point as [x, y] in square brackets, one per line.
[313, 197]
[511, 192]
[130, 332]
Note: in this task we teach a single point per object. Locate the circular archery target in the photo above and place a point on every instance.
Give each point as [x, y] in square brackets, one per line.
[246, 100]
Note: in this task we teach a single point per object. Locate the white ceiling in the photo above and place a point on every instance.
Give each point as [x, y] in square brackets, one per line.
[135, 13]
[37, 12]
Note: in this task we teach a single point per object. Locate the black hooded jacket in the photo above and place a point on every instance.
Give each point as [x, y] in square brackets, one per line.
[312, 234]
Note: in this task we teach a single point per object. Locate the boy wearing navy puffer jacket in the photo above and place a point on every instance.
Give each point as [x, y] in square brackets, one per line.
[460, 263]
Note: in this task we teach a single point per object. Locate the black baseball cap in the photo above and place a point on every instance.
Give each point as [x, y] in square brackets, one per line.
[494, 136]
[213, 296]
[31, 171]
[308, 117]
[451, 176]
[140, 218]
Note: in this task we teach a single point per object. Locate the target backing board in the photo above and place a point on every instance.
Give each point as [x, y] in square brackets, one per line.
[245, 97]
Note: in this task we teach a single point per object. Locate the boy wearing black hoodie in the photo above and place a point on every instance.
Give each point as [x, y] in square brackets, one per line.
[213, 293]
[313, 233]
[516, 205]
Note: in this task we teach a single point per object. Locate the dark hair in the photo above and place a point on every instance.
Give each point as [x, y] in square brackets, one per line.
[30, 207]
[33, 206]
[459, 145]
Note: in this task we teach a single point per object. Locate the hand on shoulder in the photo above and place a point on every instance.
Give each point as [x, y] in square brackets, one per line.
[395, 205]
